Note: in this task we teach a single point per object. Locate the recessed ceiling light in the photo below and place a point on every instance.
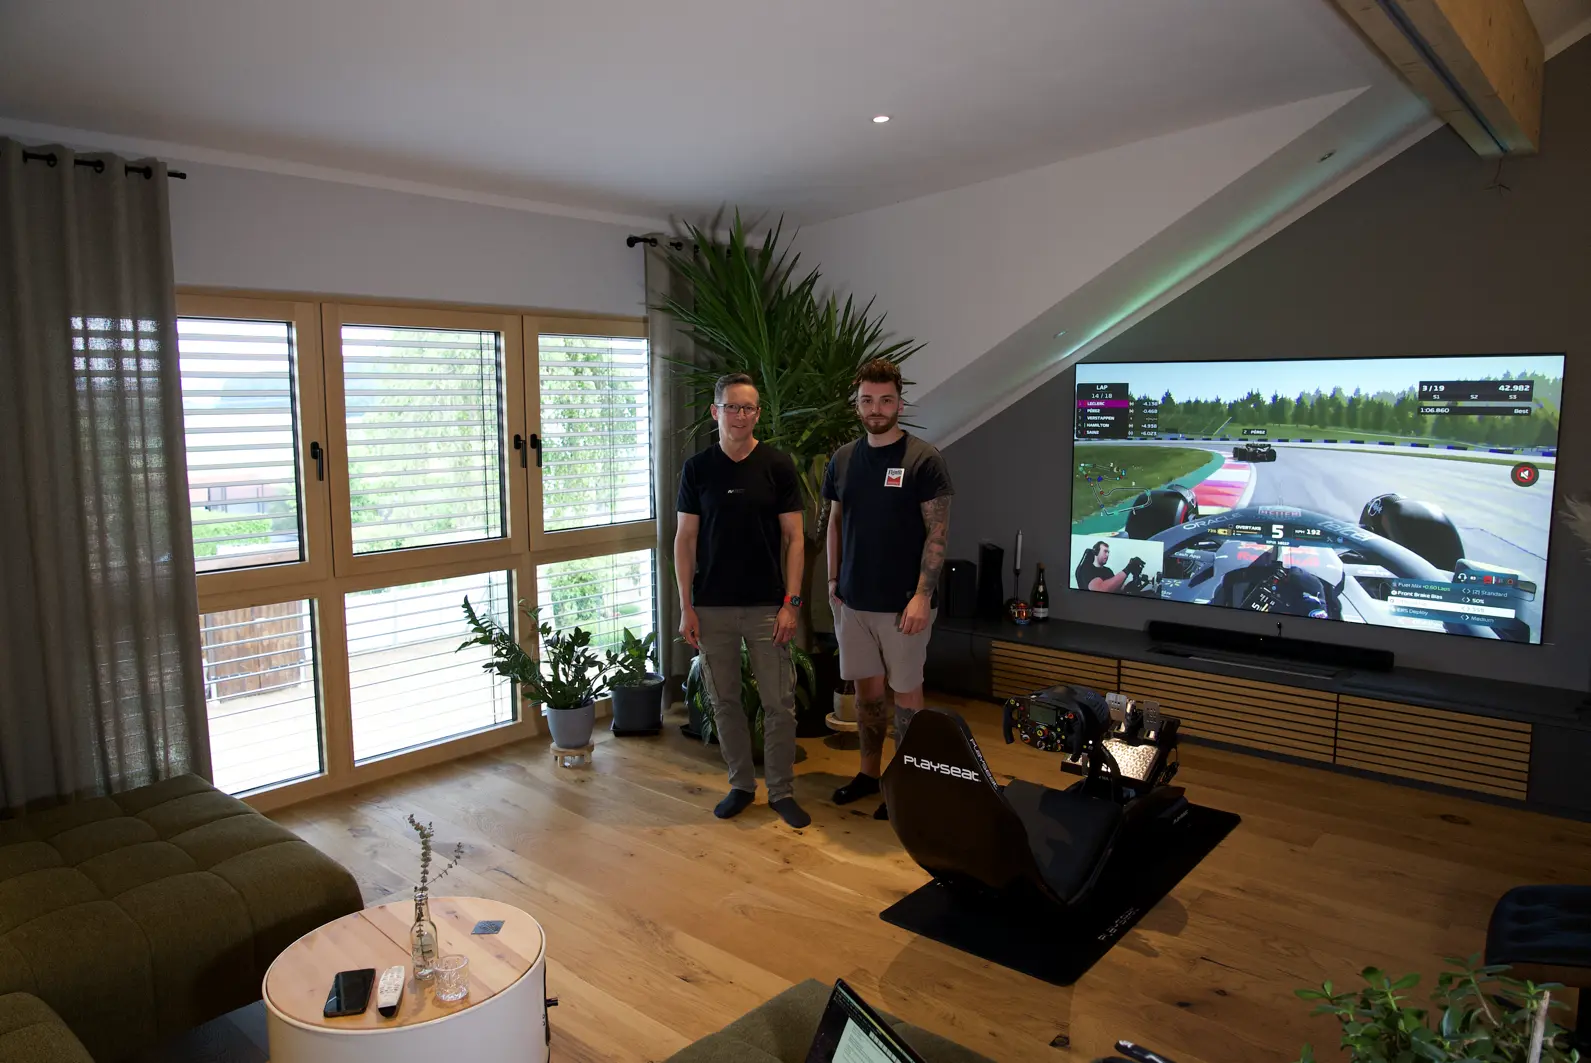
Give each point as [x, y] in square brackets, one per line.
[1328, 155]
[1061, 333]
[880, 119]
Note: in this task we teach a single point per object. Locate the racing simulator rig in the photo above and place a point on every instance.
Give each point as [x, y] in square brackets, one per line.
[1035, 878]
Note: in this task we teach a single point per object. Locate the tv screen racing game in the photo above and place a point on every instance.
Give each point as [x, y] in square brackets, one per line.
[1414, 493]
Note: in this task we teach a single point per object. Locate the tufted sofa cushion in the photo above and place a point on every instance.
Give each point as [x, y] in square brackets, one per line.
[31, 1033]
[1543, 933]
[140, 915]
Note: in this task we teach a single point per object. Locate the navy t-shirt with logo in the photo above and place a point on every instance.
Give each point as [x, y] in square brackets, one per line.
[881, 491]
[739, 548]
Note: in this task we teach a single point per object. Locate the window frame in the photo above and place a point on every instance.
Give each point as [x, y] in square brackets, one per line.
[516, 538]
[327, 575]
[604, 538]
[310, 409]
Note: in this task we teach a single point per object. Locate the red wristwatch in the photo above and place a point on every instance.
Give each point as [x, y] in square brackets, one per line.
[794, 599]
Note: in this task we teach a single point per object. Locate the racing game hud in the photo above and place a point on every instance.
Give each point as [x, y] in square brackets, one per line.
[1406, 492]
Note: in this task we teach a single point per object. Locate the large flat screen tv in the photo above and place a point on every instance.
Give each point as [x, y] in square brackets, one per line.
[1411, 493]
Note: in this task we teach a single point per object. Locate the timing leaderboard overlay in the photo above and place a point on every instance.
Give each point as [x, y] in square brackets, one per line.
[1405, 492]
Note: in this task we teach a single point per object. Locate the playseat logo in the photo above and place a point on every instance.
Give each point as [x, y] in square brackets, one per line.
[943, 769]
[1119, 924]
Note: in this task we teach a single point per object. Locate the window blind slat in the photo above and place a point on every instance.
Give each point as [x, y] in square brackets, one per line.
[435, 414]
[238, 420]
[261, 695]
[409, 687]
[596, 428]
[604, 595]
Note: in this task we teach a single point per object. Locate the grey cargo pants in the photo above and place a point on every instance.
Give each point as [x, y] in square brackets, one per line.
[722, 630]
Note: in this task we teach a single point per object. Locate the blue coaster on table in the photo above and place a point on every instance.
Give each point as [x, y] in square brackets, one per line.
[488, 926]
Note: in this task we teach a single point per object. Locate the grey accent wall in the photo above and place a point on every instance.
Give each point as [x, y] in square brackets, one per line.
[1417, 258]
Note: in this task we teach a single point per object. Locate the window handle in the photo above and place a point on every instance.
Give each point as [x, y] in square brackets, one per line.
[525, 447]
[316, 452]
[534, 443]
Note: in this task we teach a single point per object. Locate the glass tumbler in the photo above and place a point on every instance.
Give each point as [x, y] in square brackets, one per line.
[452, 977]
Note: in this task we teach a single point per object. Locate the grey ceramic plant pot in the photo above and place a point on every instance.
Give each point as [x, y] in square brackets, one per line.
[571, 728]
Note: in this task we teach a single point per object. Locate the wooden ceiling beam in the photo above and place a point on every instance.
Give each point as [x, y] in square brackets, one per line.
[1479, 64]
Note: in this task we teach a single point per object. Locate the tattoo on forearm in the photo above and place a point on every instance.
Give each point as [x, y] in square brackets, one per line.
[872, 721]
[936, 518]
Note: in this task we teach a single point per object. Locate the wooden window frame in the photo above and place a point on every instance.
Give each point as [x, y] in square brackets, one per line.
[331, 571]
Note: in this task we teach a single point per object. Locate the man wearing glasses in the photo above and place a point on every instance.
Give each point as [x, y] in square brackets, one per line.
[738, 559]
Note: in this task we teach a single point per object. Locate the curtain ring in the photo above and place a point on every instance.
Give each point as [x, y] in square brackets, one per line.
[99, 165]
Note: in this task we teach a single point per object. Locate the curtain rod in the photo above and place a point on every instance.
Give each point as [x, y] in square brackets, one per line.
[50, 158]
[651, 241]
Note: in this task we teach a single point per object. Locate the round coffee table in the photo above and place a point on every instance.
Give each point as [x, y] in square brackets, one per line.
[503, 1018]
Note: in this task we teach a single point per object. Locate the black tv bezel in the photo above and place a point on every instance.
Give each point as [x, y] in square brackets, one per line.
[1213, 611]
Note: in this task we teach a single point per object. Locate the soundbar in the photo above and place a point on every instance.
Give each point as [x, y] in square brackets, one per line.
[1275, 647]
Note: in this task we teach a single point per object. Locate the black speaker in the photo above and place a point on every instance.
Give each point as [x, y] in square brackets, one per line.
[959, 595]
[991, 580]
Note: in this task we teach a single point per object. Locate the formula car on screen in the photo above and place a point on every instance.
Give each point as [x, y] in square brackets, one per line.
[1323, 566]
[1253, 452]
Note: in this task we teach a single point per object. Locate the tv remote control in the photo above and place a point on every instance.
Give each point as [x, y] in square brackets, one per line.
[390, 990]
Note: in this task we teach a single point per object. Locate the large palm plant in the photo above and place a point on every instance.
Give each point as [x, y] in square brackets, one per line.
[753, 312]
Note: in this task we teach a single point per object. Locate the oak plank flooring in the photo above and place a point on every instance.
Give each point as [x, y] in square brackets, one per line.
[664, 923]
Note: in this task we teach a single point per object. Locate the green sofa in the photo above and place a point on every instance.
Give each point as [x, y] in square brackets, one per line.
[130, 918]
[781, 1030]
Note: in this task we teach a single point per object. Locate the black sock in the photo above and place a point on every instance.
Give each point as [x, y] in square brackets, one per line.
[734, 804]
[791, 812]
[858, 788]
[882, 812]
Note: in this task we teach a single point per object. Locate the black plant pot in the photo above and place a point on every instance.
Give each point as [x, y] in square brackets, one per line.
[638, 710]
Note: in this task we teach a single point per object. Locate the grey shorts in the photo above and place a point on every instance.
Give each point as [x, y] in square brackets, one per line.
[871, 644]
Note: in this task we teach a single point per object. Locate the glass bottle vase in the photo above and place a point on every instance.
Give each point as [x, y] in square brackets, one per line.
[422, 937]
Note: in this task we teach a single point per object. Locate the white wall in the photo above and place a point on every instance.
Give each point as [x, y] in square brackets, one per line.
[964, 269]
[239, 228]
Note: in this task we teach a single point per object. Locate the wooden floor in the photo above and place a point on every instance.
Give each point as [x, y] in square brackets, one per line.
[664, 923]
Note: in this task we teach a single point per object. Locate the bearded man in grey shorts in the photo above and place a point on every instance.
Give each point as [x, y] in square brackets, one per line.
[889, 515]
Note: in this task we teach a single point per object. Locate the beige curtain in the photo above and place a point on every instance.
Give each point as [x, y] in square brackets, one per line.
[671, 417]
[101, 686]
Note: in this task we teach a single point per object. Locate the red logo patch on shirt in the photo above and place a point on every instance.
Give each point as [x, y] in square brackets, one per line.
[894, 477]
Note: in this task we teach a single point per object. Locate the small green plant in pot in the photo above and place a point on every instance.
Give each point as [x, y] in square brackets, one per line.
[637, 691]
[1477, 1015]
[565, 682]
[700, 704]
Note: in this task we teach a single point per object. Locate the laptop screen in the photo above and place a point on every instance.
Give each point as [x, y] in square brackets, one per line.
[851, 1032]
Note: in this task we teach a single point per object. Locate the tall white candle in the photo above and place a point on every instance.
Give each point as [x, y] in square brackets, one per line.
[1019, 549]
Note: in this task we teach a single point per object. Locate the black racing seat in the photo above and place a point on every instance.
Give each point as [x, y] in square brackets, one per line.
[962, 828]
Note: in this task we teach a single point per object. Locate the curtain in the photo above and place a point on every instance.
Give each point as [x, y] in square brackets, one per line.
[101, 686]
[671, 443]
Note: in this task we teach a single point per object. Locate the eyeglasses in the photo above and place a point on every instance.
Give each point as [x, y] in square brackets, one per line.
[735, 409]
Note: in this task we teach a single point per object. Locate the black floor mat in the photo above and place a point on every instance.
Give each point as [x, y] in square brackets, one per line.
[1060, 947]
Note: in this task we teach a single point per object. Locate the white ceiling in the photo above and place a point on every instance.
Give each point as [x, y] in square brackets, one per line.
[648, 107]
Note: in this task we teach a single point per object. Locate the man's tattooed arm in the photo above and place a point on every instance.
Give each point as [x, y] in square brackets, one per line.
[936, 518]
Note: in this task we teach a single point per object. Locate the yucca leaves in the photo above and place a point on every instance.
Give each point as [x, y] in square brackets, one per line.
[753, 310]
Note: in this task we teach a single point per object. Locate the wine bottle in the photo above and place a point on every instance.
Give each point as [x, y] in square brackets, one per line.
[1041, 598]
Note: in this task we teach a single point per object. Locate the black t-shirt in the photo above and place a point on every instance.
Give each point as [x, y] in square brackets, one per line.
[881, 491]
[1087, 574]
[739, 551]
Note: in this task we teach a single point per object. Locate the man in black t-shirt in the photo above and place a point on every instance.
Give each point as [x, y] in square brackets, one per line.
[889, 514]
[738, 557]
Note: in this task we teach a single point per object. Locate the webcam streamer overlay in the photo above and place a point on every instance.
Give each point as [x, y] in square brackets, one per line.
[1407, 492]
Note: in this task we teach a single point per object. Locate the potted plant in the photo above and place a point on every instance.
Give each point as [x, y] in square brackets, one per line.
[1477, 1016]
[637, 691]
[565, 682]
[754, 309]
[700, 706]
